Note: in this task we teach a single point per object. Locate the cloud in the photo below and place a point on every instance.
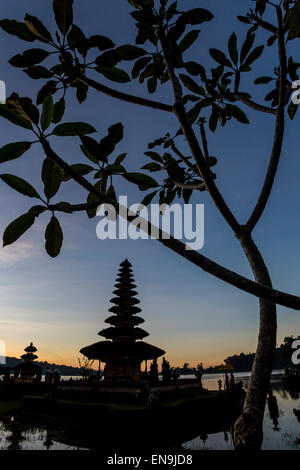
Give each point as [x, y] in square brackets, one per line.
[12, 254]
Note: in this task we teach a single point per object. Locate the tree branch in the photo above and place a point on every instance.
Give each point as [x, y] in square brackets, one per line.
[252, 104]
[267, 26]
[177, 246]
[70, 208]
[193, 143]
[200, 186]
[279, 131]
[124, 96]
[182, 157]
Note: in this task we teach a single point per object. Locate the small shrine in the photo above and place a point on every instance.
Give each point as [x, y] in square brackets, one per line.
[28, 370]
[124, 350]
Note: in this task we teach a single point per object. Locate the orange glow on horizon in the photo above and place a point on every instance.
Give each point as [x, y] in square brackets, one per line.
[176, 360]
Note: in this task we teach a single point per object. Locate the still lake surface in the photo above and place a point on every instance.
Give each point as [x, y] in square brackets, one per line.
[281, 435]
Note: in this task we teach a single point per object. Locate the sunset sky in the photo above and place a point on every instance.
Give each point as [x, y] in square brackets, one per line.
[60, 304]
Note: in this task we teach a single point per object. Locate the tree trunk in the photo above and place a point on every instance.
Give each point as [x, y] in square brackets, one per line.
[248, 429]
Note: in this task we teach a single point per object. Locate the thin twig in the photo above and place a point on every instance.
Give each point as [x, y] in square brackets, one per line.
[252, 104]
[124, 96]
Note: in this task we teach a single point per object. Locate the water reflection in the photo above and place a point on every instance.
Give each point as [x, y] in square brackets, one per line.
[281, 423]
[281, 428]
[15, 436]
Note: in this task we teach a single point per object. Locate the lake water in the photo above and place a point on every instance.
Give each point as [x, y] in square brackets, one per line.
[281, 435]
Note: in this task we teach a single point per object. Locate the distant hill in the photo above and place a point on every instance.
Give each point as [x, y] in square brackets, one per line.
[243, 362]
[64, 370]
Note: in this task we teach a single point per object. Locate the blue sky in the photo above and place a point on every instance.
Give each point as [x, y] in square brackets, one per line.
[61, 304]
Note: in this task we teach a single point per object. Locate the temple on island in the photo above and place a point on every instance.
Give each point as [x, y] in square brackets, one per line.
[28, 370]
[123, 351]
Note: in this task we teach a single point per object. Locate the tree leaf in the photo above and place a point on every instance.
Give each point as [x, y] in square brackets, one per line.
[16, 228]
[152, 167]
[186, 194]
[128, 52]
[13, 117]
[37, 210]
[37, 28]
[263, 80]
[92, 147]
[77, 40]
[63, 10]
[37, 71]
[147, 199]
[141, 180]
[12, 151]
[232, 48]
[120, 159]
[195, 69]
[82, 169]
[193, 113]
[196, 16]
[20, 185]
[102, 42]
[29, 58]
[73, 128]
[294, 23]
[82, 91]
[244, 19]
[116, 132]
[23, 107]
[254, 55]
[49, 87]
[154, 156]
[213, 120]
[47, 112]
[219, 57]
[107, 146]
[189, 83]
[114, 74]
[52, 177]
[292, 109]
[108, 59]
[152, 84]
[139, 66]
[247, 46]
[18, 29]
[91, 212]
[54, 237]
[111, 192]
[59, 110]
[188, 40]
[238, 113]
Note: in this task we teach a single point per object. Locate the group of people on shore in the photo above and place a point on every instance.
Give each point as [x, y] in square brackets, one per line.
[52, 376]
[229, 383]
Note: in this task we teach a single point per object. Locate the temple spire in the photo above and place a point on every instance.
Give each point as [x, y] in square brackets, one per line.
[124, 321]
[123, 352]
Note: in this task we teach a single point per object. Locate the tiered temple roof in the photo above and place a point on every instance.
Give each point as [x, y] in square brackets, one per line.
[29, 356]
[123, 333]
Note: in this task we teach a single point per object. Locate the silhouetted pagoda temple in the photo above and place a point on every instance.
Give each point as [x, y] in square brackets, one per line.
[28, 370]
[124, 351]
